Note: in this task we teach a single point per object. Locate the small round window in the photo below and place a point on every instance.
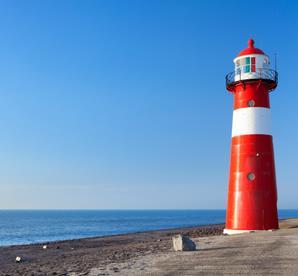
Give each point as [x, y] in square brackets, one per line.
[251, 103]
[251, 176]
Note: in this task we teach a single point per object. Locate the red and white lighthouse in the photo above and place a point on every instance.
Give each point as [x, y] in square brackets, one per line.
[252, 195]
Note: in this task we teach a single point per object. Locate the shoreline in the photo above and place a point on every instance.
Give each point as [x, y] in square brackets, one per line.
[120, 234]
[77, 256]
[125, 234]
[148, 253]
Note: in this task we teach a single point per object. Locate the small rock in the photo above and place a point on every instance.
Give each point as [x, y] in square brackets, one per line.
[183, 243]
[18, 259]
[44, 247]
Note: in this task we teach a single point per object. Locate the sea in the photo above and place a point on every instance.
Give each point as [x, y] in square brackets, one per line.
[36, 226]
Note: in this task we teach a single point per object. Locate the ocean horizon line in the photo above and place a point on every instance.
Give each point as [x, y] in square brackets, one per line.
[91, 209]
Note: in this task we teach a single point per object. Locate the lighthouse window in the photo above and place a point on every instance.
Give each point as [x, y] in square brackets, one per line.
[246, 65]
[253, 64]
[251, 176]
[251, 103]
[242, 62]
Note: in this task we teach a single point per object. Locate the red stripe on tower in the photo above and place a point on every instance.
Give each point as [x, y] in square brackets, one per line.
[252, 195]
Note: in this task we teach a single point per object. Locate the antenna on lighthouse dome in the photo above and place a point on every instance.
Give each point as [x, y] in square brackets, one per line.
[275, 61]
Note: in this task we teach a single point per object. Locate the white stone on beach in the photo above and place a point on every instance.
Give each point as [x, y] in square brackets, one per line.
[18, 259]
[183, 243]
[44, 247]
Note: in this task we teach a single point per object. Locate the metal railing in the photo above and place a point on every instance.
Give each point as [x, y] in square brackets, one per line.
[261, 73]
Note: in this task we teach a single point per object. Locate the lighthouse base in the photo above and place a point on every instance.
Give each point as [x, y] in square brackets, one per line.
[235, 232]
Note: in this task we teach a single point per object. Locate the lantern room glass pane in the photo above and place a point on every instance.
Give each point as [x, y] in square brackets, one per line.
[253, 60]
[247, 60]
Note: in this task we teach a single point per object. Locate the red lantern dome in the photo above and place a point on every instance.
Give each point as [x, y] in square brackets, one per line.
[251, 50]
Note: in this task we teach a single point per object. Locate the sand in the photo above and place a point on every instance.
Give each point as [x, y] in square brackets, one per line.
[94, 256]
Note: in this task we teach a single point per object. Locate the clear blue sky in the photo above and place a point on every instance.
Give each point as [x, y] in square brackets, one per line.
[122, 104]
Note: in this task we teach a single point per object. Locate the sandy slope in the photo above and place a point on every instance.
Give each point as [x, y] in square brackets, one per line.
[262, 253]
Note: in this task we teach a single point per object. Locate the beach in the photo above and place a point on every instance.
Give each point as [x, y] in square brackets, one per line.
[93, 256]
[151, 253]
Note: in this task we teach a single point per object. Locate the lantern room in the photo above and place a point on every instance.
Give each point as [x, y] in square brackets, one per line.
[251, 64]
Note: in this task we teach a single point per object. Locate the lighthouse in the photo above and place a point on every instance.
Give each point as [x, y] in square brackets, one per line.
[252, 193]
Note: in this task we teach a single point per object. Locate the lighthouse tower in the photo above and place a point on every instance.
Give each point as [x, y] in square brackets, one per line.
[252, 195]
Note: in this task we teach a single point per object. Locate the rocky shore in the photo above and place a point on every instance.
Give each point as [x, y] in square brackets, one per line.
[93, 256]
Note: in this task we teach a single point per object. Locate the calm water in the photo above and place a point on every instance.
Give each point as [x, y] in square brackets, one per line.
[23, 227]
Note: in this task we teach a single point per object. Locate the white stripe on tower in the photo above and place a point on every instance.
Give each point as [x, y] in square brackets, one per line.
[251, 120]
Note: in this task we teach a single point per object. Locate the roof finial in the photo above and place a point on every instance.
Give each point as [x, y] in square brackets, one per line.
[251, 43]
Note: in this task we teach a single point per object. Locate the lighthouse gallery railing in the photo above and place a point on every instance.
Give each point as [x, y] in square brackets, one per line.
[269, 75]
